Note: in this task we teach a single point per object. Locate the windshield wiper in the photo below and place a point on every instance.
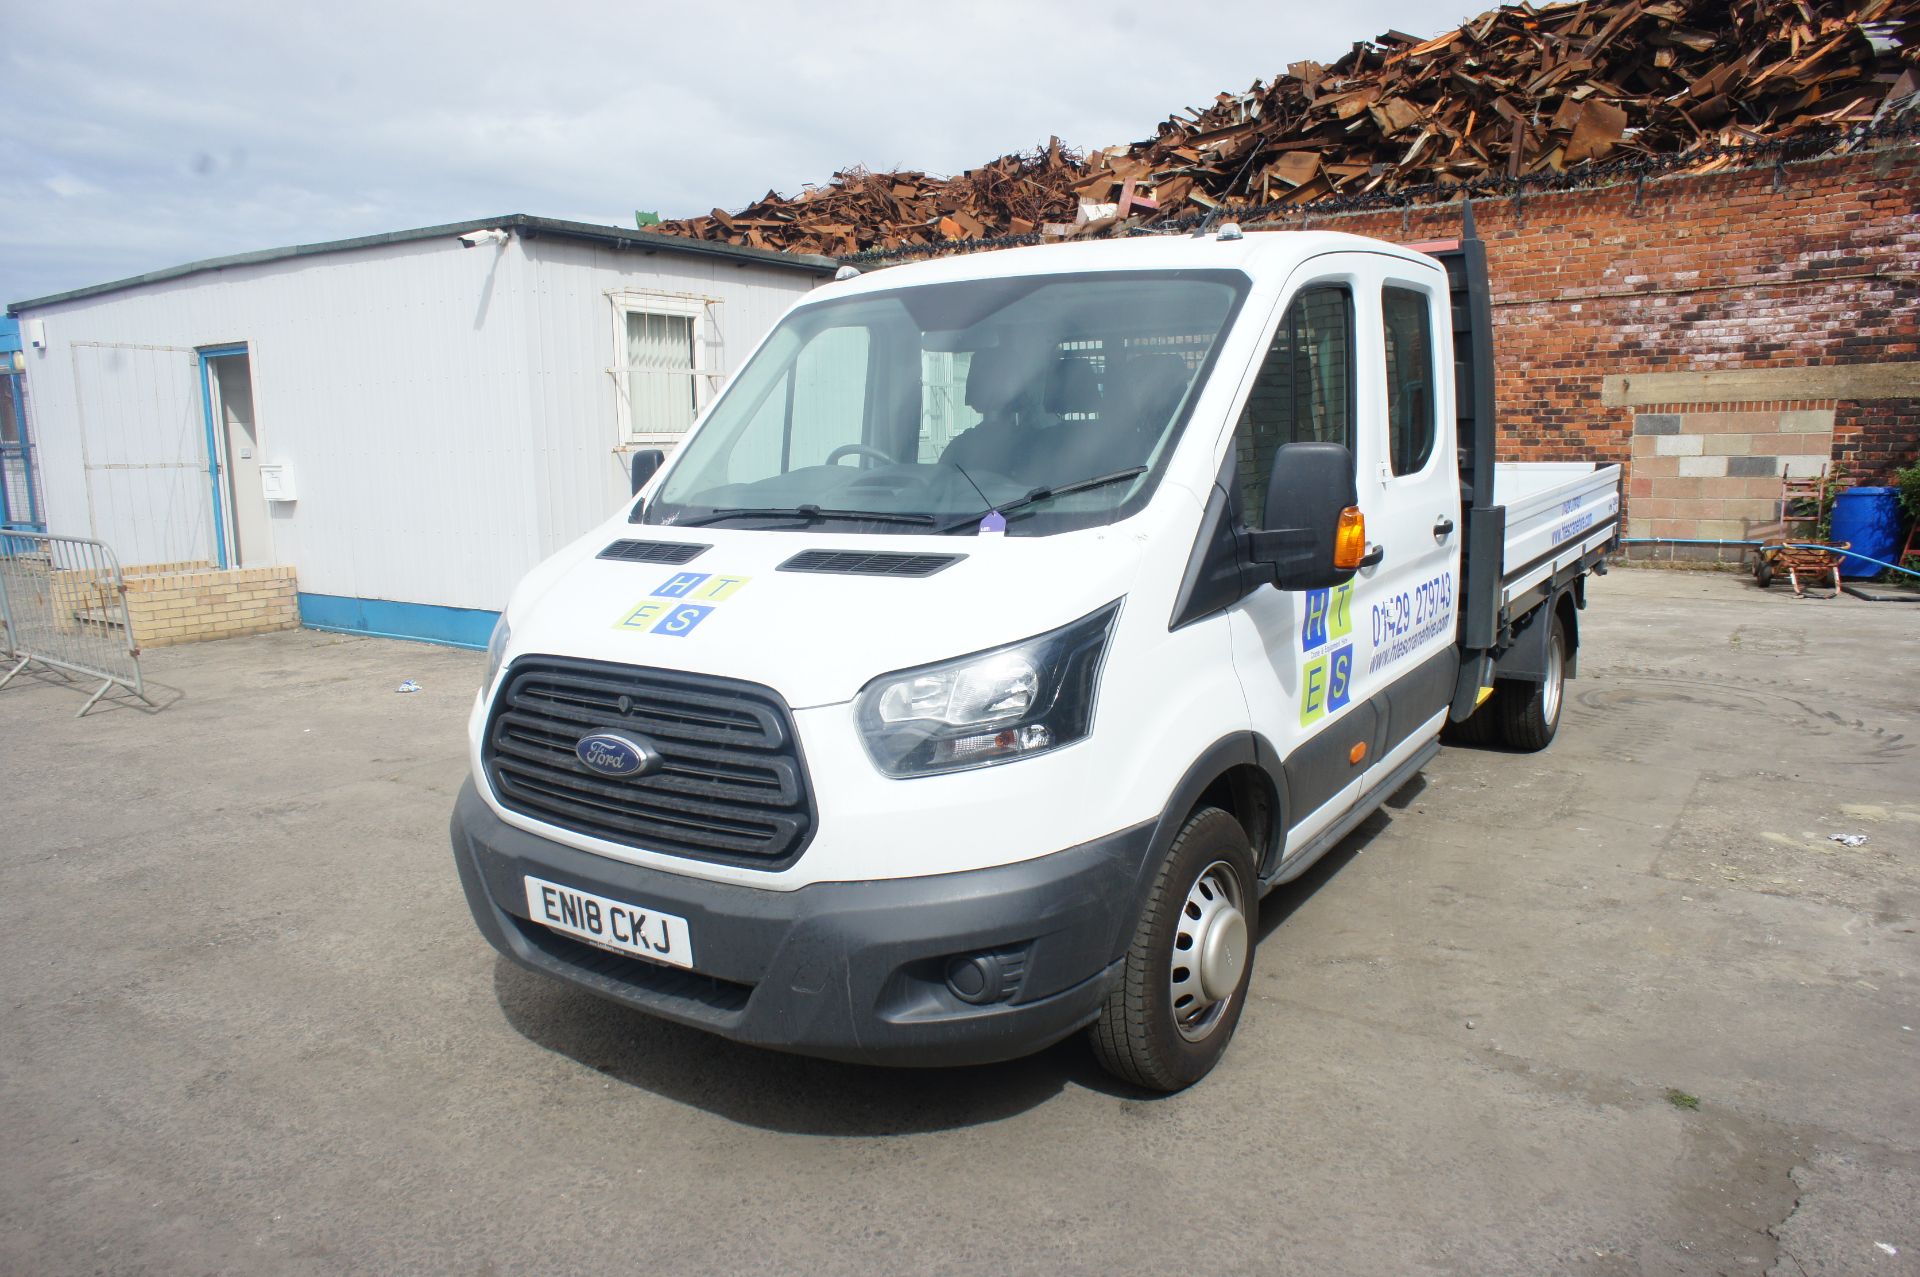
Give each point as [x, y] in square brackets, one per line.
[810, 513]
[1037, 495]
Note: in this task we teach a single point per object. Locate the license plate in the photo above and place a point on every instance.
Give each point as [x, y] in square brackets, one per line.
[612, 924]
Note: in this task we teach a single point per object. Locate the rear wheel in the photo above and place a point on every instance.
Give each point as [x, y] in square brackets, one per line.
[1174, 1009]
[1529, 713]
[1482, 727]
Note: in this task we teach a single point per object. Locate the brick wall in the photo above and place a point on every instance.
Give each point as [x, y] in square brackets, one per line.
[1815, 264]
[185, 603]
[1876, 438]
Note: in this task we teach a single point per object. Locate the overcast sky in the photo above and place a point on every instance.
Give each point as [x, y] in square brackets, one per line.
[139, 136]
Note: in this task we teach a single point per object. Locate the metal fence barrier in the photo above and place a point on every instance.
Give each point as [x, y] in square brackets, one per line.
[63, 604]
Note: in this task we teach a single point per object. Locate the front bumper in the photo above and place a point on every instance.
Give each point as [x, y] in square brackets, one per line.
[849, 971]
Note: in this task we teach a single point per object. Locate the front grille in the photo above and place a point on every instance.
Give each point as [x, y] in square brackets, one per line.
[653, 551]
[869, 562]
[732, 786]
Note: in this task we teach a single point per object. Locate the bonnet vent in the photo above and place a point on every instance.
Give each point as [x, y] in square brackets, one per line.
[869, 563]
[653, 551]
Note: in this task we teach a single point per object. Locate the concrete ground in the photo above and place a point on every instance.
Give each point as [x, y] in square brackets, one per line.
[1621, 1007]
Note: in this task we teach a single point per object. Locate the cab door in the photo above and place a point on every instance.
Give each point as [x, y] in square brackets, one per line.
[1301, 655]
[1410, 491]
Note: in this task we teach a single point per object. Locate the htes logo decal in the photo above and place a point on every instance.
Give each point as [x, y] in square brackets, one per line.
[616, 754]
[681, 602]
[1326, 684]
[1328, 615]
[1326, 681]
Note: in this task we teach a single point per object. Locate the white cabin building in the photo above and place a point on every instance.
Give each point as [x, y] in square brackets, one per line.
[410, 420]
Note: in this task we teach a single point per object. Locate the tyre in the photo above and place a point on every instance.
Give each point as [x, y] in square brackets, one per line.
[1482, 727]
[1184, 982]
[1529, 713]
[1763, 571]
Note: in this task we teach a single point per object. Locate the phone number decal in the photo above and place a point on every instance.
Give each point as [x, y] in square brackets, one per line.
[1404, 622]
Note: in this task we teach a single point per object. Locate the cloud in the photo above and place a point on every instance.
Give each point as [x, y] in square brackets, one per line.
[67, 186]
[140, 137]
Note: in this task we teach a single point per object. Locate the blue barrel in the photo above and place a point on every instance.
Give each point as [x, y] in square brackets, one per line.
[1870, 518]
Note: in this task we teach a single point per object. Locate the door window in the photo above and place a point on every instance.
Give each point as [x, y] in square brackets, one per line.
[1303, 394]
[1408, 332]
[829, 396]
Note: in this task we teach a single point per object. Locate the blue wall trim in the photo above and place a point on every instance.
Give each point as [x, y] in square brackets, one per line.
[383, 618]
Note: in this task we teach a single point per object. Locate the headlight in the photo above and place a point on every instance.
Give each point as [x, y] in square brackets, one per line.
[496, 649]
[991, 707]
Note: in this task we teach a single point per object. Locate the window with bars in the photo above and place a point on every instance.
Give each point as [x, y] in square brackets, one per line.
[662, 375]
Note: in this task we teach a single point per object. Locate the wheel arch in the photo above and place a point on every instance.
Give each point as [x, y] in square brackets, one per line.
[1240, 775]
[1566, 607]
[1526, 659]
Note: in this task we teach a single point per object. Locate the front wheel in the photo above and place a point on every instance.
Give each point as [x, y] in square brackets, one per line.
[1174, 1009]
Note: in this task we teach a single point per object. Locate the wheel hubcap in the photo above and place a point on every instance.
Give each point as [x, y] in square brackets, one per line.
[1209, 951]
[1556, 676]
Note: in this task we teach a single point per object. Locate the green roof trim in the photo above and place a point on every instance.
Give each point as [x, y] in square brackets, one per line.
[524, 224]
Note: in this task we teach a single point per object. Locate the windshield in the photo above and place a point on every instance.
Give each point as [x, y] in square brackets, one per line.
[1053, 399]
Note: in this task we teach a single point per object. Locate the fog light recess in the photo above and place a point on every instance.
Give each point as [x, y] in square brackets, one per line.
[981, 978]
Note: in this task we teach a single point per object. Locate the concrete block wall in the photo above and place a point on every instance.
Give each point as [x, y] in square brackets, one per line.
[1716, 474]
[169, 603]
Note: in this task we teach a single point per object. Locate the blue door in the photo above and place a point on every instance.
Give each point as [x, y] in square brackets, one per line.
[216, 452]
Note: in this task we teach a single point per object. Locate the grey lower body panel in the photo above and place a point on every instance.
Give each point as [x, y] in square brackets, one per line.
[849, 971]
[1300, 861]
[1324, 765]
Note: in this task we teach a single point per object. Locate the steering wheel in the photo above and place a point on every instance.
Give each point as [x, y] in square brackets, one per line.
[858, 449]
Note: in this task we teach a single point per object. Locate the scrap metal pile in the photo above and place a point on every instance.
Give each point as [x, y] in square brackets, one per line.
[1013, 195]
[1516, 93]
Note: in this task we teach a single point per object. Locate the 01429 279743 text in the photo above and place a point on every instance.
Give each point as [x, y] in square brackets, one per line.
[1404, 622]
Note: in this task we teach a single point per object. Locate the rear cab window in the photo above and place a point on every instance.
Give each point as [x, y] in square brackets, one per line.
[1407, 334]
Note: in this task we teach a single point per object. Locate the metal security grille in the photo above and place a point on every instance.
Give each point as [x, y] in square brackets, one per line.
[661, 388]
[732, 787]
[63, 605]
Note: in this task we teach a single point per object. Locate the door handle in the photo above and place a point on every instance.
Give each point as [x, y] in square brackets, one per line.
[1373, 556]
[1443, 529]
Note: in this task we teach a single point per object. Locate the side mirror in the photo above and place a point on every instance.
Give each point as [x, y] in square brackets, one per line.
[646, 464]
[1313, 536]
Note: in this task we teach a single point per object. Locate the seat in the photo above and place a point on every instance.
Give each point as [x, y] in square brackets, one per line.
[1073, 388]
[998, 379]
[1074, 437]
[1144, 390]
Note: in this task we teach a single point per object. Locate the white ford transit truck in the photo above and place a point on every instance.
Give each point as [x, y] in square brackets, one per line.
[1005, 630]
